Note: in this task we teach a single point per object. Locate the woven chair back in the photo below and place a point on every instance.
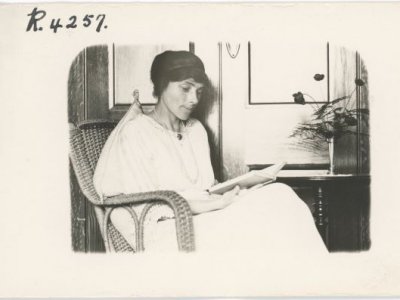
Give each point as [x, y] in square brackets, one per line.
[86, 143]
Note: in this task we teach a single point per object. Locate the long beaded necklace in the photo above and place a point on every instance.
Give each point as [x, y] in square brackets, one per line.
[192, 178]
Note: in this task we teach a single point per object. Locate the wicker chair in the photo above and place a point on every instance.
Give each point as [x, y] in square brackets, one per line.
[86, 142]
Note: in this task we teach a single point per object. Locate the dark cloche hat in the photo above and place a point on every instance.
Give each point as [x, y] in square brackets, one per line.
[172, 61]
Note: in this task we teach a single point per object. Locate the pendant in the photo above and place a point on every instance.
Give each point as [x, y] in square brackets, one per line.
[179, 136]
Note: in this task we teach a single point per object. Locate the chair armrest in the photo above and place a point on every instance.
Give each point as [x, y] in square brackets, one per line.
[182, 212]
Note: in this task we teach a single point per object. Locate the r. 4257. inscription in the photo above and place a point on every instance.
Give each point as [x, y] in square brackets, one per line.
[37, 19]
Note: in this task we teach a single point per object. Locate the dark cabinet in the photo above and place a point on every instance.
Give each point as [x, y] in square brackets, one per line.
[340, 205]
[348, 217]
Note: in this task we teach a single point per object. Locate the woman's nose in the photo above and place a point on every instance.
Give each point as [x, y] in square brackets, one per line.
[193, 97]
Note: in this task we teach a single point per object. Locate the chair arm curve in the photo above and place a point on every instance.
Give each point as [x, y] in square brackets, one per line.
[181, 208]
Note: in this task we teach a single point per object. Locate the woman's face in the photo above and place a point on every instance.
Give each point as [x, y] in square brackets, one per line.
[182, 97]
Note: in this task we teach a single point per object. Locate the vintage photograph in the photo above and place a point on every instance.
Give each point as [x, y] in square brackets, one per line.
[227, 150]
[165, 157]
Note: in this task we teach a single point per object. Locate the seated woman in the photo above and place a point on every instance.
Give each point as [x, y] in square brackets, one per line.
[168, 150]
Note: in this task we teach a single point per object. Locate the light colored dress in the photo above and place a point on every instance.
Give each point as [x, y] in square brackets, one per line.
[141, 156]
[147, 157]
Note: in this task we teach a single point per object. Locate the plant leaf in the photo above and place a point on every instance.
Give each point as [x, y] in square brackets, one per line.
[339, 99]
[321, 110]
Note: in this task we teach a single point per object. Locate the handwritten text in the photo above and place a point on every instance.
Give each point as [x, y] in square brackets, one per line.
[37, 21]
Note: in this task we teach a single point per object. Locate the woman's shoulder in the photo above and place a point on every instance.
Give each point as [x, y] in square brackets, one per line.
[193, 123]
[195, 126]
[136, 128]
[140, 122]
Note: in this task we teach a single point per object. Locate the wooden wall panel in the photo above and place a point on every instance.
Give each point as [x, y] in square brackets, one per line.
[76, 89]
[342, 76]
[351, 154]
[97, 87]
[364, 137]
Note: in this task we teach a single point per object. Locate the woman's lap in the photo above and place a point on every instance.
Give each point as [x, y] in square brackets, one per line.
[270, 219]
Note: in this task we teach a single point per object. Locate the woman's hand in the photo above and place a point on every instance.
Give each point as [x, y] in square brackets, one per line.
[227, 198]
[201, 201]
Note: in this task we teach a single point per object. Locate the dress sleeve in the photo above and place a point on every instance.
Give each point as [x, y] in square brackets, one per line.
[127, 166]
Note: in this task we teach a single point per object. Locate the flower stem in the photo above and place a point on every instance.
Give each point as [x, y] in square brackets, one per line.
[309, 96]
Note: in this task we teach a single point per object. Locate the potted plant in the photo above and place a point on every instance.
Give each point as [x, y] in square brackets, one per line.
[330, 120]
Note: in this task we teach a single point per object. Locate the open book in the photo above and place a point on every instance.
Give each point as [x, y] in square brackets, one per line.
[248, 180]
